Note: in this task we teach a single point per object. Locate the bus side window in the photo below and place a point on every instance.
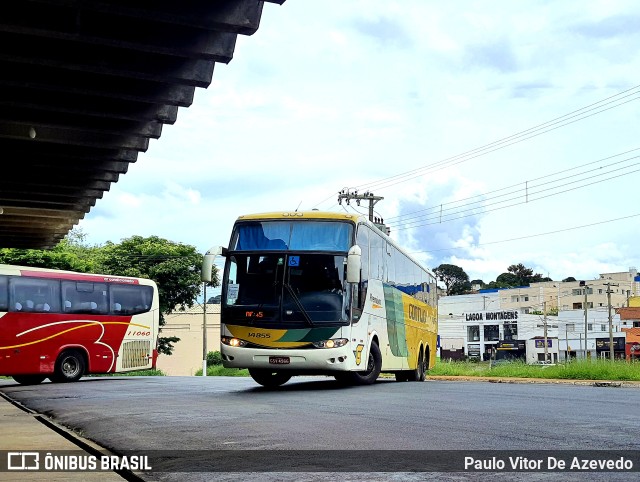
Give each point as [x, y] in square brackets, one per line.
[34, 294]
[84, 297]
[130, 300]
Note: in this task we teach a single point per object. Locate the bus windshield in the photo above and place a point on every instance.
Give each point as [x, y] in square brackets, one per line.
[285, 289]
[292, 236]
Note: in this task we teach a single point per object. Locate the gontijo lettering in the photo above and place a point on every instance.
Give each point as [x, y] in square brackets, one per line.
[416, 313]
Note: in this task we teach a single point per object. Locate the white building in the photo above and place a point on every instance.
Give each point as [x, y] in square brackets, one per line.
[476, 323]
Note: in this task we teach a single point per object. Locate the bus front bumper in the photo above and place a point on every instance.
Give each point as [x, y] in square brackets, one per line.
[321, 359]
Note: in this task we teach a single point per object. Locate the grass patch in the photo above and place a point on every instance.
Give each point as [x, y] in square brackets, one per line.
[619, 370]
[215, 368]
[220, 371]
[138, 373]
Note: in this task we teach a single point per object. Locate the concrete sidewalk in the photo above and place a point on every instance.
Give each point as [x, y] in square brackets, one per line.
[21, 431]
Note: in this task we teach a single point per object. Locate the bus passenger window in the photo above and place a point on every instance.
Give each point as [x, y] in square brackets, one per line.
[34, 295]
[130, 300]
[85, 297]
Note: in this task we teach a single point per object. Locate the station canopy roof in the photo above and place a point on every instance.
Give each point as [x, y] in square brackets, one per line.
[84, 86]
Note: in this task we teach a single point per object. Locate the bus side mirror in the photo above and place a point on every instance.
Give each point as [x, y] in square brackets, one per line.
[354, 264]
[207, 263]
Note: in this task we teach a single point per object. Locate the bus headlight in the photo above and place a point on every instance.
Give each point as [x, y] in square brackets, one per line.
[226, 340]
[333, 343]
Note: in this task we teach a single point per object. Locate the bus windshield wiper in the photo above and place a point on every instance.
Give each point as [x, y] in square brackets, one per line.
[296, 300]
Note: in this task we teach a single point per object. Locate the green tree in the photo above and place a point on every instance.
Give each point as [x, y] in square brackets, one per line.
[524, 276]
[455, 280]
[570, 278]
[69, 254]
[492, 285]
[521, 273]
[508, 280]
[175, 267]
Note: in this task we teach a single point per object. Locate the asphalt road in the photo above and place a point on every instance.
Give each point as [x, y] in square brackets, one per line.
[166, 414]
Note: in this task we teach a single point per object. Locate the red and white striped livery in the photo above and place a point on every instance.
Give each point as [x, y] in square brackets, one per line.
[62, 325]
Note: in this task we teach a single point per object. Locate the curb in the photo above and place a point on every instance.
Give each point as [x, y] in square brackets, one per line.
[556, 381]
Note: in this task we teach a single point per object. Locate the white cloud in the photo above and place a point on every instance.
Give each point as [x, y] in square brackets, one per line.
[347, 92]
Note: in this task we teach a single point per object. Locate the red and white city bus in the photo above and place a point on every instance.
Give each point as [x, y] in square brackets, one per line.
[62, 325]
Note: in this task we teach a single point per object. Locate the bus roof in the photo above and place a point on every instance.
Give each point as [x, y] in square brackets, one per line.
[9, 269]
[300, 215]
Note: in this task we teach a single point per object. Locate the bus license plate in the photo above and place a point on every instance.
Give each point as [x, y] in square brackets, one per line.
[279, 360]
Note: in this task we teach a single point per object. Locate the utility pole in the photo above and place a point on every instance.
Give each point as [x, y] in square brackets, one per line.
[367, 196]
[611, 351]
[546, 349]
[566, 342]
[586, 324]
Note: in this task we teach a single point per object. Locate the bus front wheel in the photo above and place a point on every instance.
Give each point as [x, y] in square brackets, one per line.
[374, 365]
[29, 379]
[269, 379]
[69, 367]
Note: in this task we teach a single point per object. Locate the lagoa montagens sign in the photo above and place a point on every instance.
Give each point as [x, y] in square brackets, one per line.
[491, 316]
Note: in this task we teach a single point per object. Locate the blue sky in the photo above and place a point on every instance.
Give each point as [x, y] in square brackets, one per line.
[447, 109]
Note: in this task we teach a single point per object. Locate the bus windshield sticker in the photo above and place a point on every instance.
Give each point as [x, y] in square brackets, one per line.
[232, 293]
[294, 260]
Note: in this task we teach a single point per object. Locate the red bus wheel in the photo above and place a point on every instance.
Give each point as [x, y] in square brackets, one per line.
[70, 366]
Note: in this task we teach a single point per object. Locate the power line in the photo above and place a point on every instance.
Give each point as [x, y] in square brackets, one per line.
[530, 236]
[571, 117]
[522, 186]
[505, 142]
[528, 198]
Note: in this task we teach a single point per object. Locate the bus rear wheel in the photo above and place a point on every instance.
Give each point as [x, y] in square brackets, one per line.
[29, 379]
[419, 374]
[70, 367]
[268, 378]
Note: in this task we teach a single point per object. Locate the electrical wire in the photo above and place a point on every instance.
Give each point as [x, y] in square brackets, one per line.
[470, 212]
[529, 236]
[566, 119]
[505, 142]
[520, 187]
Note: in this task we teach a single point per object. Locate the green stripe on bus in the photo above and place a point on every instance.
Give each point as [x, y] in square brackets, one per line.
[308, 334]
[395, 321]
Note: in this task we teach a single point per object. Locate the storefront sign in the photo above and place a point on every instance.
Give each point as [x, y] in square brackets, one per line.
[602, 344]
[540, 343]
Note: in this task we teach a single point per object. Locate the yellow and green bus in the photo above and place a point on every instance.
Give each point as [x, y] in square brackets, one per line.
[323, 293]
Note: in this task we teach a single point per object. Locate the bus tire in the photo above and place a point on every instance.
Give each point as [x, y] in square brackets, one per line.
[374, 365]
[70, 367]
[268, 378]
[29, 379]
[419, 374]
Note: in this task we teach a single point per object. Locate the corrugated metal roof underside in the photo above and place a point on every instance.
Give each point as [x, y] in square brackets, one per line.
[84, 86]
